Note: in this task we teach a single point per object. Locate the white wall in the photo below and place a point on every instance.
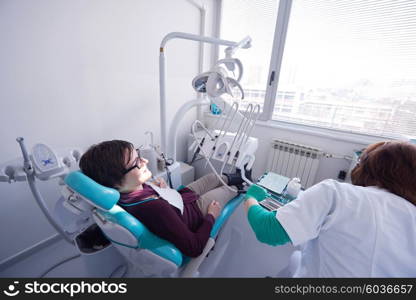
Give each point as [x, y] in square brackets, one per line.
[76, 72]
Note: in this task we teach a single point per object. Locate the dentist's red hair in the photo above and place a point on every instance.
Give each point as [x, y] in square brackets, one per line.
[388, 165]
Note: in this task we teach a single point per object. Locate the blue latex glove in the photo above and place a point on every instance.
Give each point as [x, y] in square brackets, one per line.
[257, 192]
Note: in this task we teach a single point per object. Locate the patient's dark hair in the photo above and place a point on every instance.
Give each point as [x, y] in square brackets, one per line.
[388, 165]
[105, 162]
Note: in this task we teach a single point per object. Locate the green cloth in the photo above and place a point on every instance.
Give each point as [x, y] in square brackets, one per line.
[267, 228]
[257, 192]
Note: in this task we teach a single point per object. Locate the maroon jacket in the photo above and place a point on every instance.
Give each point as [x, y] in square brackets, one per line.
[189, 231]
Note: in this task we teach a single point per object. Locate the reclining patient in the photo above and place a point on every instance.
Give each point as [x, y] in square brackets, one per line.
[184, 218]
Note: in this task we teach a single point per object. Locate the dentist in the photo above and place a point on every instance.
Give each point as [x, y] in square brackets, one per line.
[363, 229]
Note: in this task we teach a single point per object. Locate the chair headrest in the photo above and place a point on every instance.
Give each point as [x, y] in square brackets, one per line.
[99, 195]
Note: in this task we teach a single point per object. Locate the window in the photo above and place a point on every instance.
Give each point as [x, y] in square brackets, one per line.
[257, 19]
[348, 65]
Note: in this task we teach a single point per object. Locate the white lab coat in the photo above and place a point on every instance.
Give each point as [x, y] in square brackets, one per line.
[351, 231]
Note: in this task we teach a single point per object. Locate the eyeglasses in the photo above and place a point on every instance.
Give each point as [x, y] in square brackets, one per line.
[137, 162]
[363, 156]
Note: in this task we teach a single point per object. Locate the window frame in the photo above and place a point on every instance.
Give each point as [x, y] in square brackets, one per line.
[279, 40]
[266, 117]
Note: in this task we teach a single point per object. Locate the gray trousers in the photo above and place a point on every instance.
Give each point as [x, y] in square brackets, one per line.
[210, 188]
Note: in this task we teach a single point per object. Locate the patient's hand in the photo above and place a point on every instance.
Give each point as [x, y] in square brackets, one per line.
[160, 182]
[214, 208]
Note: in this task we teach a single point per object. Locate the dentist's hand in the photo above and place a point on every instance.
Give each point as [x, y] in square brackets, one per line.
[214, 208]
[257, 192]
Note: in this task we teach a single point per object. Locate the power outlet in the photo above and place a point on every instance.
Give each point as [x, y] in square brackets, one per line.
[342, 175]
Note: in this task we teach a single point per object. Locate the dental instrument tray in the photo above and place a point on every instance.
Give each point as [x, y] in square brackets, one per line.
[273, 182]
[275, 185]
[271, 204]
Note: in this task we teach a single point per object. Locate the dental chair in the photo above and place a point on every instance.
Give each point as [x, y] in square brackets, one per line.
[146, 254]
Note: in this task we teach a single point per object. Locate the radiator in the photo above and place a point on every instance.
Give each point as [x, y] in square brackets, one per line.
[294, 160]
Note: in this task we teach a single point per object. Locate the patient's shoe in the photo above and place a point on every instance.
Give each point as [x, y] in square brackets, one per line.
[236, 179]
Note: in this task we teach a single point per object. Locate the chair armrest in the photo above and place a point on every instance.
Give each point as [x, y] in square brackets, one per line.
[226, 212]
[191, 268]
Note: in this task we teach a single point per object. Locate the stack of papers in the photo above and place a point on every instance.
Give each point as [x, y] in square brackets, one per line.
[273, 182]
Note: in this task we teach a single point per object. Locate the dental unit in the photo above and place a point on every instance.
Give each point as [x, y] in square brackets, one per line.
[90, 204]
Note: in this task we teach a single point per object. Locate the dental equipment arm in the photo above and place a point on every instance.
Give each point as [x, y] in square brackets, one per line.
[244, 141]
[242, 135]
[27, 165]
[244, 43]
[257, 192]
[240, 131]
[191, 269]
[238, 117]
[205, 155]
[173, 131]
[225, 146]
[233, 46]
[28, 168]
[223, 131]
[229, 63]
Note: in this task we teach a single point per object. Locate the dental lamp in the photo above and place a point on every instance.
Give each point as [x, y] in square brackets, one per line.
[231, 49]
